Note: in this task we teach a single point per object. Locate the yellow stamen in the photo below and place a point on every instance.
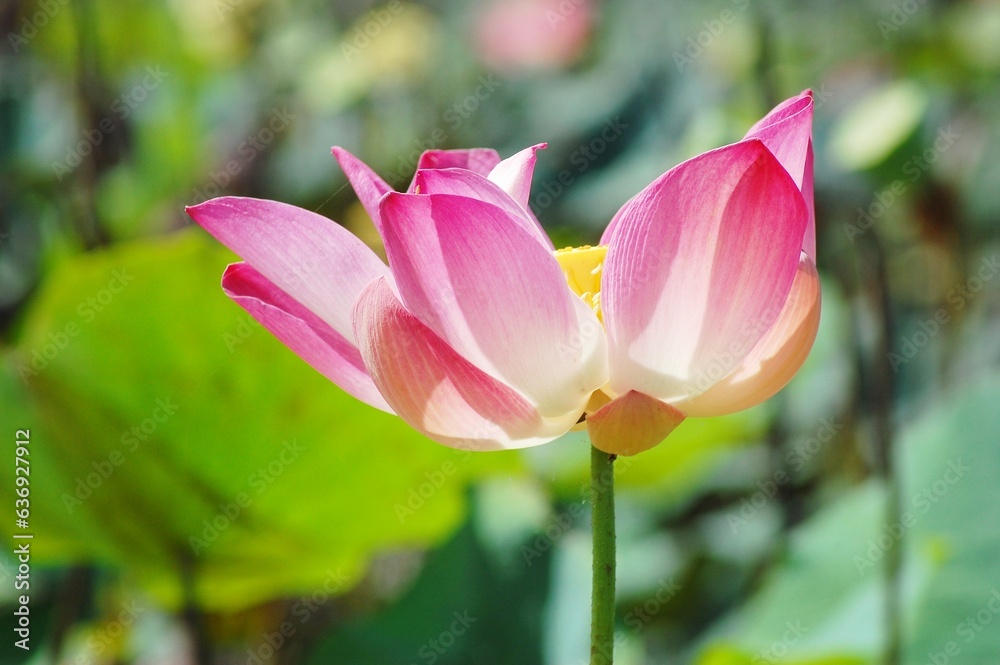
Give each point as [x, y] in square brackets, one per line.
[583, 267]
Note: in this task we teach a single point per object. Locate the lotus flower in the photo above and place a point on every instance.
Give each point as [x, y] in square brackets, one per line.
[702, 298]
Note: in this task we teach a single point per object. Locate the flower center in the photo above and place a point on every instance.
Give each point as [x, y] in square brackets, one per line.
[583, 267]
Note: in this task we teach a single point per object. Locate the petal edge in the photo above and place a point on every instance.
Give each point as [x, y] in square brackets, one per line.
[434, 389]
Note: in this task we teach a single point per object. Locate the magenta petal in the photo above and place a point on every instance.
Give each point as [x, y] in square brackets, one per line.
[477, 160]
[311, 258]
[366, 183]
[699, 266]
[513, 174]
[303, 332]
[471, 272]
[809, 239]
[787, 133]
[461, 182]
[437, 391]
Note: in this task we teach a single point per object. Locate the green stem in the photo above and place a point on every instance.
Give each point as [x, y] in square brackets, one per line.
[602, 608]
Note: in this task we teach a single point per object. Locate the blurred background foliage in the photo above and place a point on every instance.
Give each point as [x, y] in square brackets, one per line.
[200, 495]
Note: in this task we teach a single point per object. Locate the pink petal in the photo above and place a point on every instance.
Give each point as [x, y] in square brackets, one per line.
[471, 272]
[776, 357]
[632, 423]
[437, 391]
[311, 258]
[366, 183]
[477, 160]
[513, 175]
[809, 239]
[787, 133]
[699, 266]
[460, 182]
[303, 332]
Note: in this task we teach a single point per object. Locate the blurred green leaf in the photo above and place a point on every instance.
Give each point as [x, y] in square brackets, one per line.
[878, 124]
[816, 604]
[825, 599]
[174, 437]
[462, 609]
[724, 655]
[950, 469]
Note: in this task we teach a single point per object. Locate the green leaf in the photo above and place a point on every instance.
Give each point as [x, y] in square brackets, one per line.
[878, 124]
[816, 604]
[461, 609]
[951, 470]
[830, 586]
[173, 436]
[727, 655]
